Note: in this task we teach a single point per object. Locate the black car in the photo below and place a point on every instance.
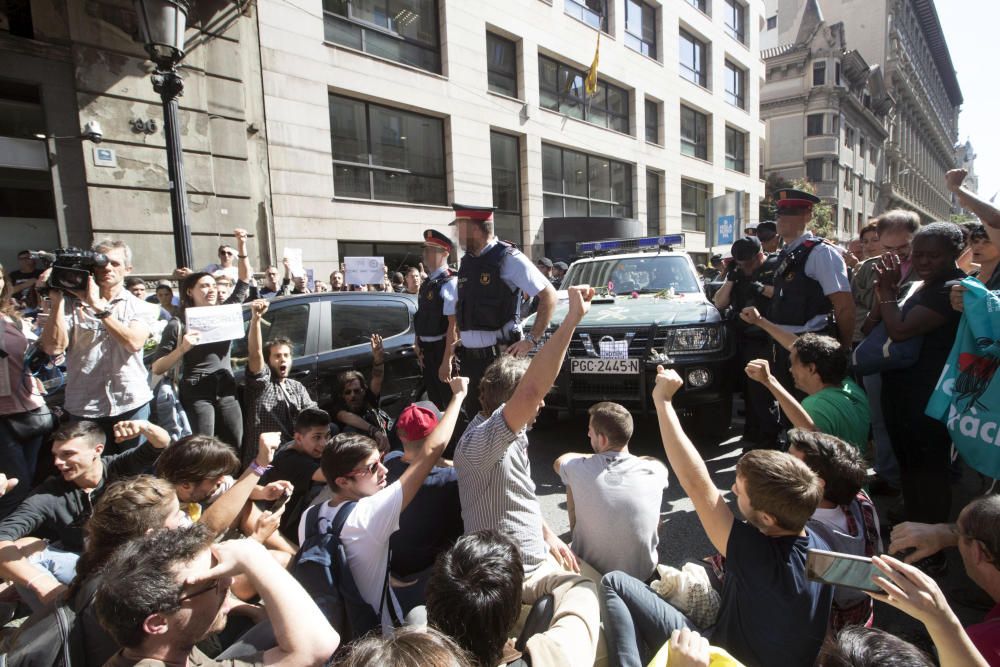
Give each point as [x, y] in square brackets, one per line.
[330, 333]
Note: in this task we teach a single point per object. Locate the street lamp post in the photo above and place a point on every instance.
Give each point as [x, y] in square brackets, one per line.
[162, 23]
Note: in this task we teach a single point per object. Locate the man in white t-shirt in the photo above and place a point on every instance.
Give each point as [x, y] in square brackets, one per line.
[613, 498]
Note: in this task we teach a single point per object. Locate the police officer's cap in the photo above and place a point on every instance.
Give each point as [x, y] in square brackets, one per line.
[790, 199]
[745, 249]
[435, 239]
[767, 228]
[546, 262]
[562, 266]
[714, 258]
[478, 213]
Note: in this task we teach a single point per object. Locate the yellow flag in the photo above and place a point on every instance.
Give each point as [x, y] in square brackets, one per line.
[590, 83]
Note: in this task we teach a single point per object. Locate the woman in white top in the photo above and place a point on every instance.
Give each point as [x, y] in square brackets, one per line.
[352, 466]
[25, 420]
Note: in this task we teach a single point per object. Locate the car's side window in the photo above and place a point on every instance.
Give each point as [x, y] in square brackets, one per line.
[354, 323]
[291, 322]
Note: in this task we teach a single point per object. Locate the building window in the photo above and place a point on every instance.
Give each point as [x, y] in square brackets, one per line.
[693, 61]
[736, 150]
[814, 125]
[577, 184]
[694, 203]
[860, 221]
[848, 180]
[505, 156]
[772, 22]
[700, 5]
[848, 136]
[735, 86]
[873, 155]
[819, 73]
[640, 27]
[592, 12]
[561, 89]
[653, 179]
[734, 17]
[847, 219]
[501, 65]
[872, 191]
[405, 31]
[652, 122]
[694, 133]
[814, 170]
[861, 147]
[386, 154]
[837, 73]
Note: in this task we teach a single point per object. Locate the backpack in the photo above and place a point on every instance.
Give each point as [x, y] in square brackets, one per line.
[321, 567]
[51, 637]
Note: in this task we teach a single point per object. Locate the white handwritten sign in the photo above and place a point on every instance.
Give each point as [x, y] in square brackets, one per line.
[294, 257]
[215, 323]
[364, 270]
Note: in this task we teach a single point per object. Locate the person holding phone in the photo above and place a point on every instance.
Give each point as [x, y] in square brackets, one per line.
[207, 386]
[921, 444]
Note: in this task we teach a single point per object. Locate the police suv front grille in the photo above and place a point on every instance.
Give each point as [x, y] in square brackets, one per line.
[614, 387]
[586, 342]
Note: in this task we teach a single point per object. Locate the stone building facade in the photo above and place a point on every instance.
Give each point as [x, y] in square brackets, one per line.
[66, 63]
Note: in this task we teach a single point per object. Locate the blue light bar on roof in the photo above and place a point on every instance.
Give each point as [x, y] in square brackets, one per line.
[627, 244]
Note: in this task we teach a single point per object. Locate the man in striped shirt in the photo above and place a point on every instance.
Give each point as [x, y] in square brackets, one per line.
[494, 474]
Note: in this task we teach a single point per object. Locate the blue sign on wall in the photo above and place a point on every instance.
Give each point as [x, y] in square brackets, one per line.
[725, 230]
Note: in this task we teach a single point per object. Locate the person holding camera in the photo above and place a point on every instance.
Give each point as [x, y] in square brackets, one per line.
[207, 387]
[102, 329]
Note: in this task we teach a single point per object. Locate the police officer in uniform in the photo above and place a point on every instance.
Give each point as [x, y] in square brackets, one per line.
[750, 284]
[435, 320]
[811, 290]
[491, 280]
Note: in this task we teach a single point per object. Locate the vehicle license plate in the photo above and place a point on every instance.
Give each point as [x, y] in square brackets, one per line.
[604, 366]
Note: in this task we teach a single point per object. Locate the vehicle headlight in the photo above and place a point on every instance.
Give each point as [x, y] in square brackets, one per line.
[696, 339]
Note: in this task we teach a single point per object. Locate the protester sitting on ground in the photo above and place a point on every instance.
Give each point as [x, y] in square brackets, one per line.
[433, 520]
[976, 534]
[200, 467]
[613, 498]
[845, 519]
[834, 404]
[352, 466]
[357, 407]
[61, 505]
[494, 473]
[406, 647]
[922, 444]
[207, 387]
[21, 401]
[129, 509]
[858, 646]
[475, 595]
[911, 591]
[272, 399]
[183, 601]
[102, 332]
[297, 462]
[765, 568]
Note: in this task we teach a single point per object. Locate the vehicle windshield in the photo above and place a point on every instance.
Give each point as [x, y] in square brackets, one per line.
[645, 275]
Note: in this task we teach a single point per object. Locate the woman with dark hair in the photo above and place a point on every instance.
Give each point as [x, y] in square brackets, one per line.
[352, 466]
[25, 420]
[922, 444]
[207, 387]
[406, 647]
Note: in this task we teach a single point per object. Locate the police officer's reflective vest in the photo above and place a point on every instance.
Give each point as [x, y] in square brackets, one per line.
[797, 297]
[430, 319]
[485, 302]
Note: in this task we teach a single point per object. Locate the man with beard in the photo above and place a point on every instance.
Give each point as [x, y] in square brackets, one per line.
[272, 399]
[166, 591]
[356, 409]
[61, 505]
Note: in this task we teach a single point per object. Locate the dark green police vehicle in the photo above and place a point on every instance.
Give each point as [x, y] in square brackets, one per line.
[651, 309]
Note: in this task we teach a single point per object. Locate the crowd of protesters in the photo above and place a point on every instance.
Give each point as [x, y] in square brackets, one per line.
[261, 529]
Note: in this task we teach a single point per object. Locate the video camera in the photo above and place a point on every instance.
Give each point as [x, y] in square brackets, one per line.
[71, 268]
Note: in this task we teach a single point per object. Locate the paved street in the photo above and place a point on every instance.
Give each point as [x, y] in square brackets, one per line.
[681, 535]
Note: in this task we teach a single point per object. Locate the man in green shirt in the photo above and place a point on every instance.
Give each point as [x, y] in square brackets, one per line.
[834, 403]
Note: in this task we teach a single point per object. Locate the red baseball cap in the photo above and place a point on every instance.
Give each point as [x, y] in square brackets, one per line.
[416, 422]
